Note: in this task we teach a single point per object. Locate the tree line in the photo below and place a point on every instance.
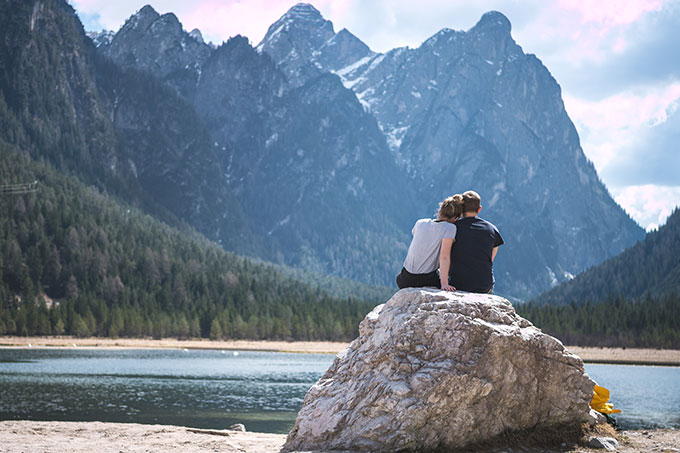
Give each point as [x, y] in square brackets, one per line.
[652, 322]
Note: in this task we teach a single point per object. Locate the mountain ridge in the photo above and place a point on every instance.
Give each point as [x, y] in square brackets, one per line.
[471, 110]
[343, 149]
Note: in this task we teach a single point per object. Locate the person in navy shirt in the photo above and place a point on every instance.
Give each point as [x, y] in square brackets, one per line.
[474, 250]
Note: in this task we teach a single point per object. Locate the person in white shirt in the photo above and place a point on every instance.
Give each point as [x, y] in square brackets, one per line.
[431, 248]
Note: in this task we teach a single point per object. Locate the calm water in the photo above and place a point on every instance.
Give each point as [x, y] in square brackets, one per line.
[214, 389]
[203, 389]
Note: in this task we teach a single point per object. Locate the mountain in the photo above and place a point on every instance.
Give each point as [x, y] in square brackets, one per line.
[471, 110]
[650, 269]
[631, 300]
[304, 44]
[122, 130]
[311, 149]
[159, 44]
[464, 110]
[324, 211]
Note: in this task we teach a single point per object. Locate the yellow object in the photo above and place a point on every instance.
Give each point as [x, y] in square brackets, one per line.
[599, 401]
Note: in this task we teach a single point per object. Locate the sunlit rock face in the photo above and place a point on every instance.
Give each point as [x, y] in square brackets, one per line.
[432, 369]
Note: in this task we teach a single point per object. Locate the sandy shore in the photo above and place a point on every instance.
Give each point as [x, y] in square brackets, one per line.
[47, 437]
[669, 357]
[312, 347]
[86, 437]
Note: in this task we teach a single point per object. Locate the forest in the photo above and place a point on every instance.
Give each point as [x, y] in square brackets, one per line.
[618, 322]
[75, 261]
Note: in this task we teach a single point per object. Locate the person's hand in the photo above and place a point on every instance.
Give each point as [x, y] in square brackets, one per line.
[448, 288]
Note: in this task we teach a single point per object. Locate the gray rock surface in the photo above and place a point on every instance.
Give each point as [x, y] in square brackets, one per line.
[596, 418]
[238, 427]
[607, 443]
[432, 369]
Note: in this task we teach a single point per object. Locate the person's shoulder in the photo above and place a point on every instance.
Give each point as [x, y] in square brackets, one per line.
[486, 222]
[449, 226]
[421, 223]
[442, 225]
[465, 222]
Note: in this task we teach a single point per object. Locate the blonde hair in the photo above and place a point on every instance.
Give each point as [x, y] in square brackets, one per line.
[451, 208]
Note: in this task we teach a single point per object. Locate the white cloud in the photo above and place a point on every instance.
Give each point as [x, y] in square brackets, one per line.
[618, 129]
[618, 124]
[650, 205]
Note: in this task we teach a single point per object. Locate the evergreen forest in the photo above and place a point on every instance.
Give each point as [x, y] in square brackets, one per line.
[630, 300]
[647, 323]
[76, 262]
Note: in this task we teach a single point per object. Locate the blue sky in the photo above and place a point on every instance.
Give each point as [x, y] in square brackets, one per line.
[617, 61]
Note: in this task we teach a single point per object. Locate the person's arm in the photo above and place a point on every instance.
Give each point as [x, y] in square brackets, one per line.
[493, 253]
[445, 264]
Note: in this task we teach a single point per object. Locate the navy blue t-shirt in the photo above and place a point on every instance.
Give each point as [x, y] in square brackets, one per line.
[471, 266]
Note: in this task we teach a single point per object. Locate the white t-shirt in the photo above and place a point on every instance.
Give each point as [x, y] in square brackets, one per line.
[423, 253]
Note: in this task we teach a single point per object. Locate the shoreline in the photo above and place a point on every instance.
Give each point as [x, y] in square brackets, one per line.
[49, 436]
[619, 356]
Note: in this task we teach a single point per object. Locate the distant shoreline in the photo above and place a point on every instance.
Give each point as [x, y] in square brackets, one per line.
[627, 356]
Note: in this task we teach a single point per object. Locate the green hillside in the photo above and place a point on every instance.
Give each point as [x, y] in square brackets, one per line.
[631, 300]
[649, 268]
[74, 261]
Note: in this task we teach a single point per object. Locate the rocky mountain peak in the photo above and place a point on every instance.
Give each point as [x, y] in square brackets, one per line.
[494, 22]
[304, 10]
[197, 35]
[159, 44]
[147, 10]
[342, 50]
[344, 36]
[302, 18]
[294, 41]
[236, 45]
[101, 38]
[142, 19]
[167, 22]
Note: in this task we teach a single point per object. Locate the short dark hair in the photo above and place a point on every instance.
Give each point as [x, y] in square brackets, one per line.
[471, 201]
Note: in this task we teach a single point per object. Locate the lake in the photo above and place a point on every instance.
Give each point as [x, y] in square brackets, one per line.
[215, 389]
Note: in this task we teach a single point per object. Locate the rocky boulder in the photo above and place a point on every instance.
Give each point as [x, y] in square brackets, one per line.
[432, 369]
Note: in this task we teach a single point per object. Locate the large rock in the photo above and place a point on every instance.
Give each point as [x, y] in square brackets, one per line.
[435, 369]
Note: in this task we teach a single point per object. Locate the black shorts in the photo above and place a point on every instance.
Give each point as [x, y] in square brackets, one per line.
[405, 279]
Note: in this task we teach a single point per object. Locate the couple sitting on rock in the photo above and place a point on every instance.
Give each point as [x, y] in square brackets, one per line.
[459, 243]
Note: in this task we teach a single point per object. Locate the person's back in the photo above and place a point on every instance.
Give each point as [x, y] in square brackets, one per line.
[431, 248]
[475, 248]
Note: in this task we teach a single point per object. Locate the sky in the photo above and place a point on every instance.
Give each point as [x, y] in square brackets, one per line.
[617, 62]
